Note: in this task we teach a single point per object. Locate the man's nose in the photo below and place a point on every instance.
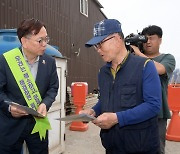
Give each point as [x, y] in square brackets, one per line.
[44, 43]
[99, 50]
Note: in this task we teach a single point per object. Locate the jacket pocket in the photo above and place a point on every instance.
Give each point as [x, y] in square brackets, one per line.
[128, 96]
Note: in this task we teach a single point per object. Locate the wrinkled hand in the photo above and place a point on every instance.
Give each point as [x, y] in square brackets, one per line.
[88, 111]
[42, 109]
[106, 120]
[17, 112]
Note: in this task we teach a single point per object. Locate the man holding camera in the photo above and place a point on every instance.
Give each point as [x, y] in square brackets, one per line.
[165, 65]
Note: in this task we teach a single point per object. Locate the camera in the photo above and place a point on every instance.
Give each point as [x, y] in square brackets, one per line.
[136, 40]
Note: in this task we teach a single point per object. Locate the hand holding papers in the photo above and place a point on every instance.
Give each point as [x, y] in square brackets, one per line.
[26, 109]
[78, 117]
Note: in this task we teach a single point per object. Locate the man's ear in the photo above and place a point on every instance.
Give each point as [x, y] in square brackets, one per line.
[161, 41]
[24, 41]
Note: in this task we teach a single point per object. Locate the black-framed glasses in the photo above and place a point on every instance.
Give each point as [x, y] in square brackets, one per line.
[98, 46]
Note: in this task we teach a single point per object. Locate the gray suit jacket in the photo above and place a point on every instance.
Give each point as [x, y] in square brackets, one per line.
[47, 83]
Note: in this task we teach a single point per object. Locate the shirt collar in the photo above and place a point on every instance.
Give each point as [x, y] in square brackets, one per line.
[109, 64]
[37, 59]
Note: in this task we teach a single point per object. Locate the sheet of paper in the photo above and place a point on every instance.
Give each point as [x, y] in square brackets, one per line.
[77, 117]
[26, 109]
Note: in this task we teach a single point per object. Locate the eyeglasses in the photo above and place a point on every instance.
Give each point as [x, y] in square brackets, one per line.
[99, 45]
[46, 40]
[41, 40]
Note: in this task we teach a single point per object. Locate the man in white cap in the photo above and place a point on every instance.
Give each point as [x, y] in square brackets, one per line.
[130, 94]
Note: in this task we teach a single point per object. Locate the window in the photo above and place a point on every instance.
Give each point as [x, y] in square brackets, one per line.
[84, 7]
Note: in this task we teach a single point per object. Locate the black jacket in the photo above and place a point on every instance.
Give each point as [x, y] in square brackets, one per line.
[47, 83]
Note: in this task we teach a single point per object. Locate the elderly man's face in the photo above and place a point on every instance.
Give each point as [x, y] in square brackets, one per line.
[109, 48]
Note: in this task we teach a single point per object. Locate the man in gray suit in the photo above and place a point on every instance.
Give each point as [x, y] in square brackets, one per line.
[27, 77]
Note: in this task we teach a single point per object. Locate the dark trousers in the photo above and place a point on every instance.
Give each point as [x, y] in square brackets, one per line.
[33, 142]
[162, 124]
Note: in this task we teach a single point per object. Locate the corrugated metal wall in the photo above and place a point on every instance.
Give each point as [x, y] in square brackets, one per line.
[67, 28]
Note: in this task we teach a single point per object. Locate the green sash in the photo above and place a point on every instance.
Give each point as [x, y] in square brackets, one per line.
[28, 87]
